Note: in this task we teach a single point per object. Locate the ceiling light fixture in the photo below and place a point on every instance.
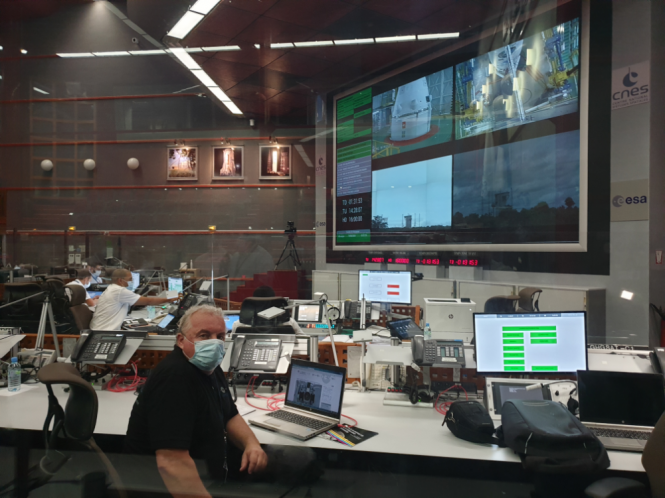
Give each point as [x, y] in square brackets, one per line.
[75, 55]
[40, 90]
[256, 45]
[193, 50]
[314, 44]
[147, 52]
[281, 45]
[223, 48]
[185, 58]
[110, 54]
[391, 39]
[204, 6]
[203, 77]
[233, 108]
[626, 295]
[217, 92]
[438, 36]
[185, 25]
[24, 51]
[357, 41]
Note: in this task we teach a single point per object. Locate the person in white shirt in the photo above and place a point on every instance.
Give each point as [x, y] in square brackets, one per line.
[114, 303]
[83, 279]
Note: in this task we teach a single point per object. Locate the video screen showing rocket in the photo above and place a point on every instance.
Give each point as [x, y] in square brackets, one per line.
[524, 82]
[412, 116]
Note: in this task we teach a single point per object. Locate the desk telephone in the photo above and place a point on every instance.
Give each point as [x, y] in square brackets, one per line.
[99, 346]
[255, 353]
[437, 352]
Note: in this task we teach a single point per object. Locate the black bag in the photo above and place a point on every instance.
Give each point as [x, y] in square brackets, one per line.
[549, 439]
[469, 420]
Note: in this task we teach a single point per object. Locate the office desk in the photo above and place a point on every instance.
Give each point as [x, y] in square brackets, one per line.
[402, 430]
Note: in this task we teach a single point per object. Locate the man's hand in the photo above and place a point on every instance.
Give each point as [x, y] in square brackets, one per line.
[254, 459]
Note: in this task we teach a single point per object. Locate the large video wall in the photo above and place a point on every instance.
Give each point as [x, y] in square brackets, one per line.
[462, 151]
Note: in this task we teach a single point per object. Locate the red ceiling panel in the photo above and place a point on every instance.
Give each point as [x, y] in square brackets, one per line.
[289, 99]
[408, 11]
[250, 55]
[266, 30]
[255, 6]
[315, 14]
[227, 21]
[251, 92]
[456, 18]
[299, 65]
[227, 74]
[200, 38]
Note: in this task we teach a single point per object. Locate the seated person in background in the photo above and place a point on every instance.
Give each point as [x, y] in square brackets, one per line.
[185, 411]
[114, 303]
[96, 272]
[83, 278]
[266, 291]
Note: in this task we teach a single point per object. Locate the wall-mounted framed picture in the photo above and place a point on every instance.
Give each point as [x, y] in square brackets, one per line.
[182, 163]
[275, 162]
[227, 163]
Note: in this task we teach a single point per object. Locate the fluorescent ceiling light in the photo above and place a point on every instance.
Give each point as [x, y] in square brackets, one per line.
[24, 51]
[40, 90]
[204, 6]
[224, 48]
[438, 36]
[281, 45]
[217, 92]
[1, 47]
[626, 295]
[232, 107]
[185, 58]
[193, 50]
[110, 54]
[147, 52]
[203, 77]
[389, 39]
[256, 45]
[185, 25]
[78, 54]
[313, 44]
[361, 41]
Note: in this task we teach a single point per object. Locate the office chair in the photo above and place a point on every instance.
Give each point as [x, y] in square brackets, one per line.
[252, 306]
[30, 307]
[501, 304]
[54, 283]
[528, 299]
[75, 423]
[653, 461]
[79, 310]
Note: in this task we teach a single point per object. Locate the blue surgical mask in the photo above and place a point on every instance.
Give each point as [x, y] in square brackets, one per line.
[208, 354]
[86, 285]
[97, 273]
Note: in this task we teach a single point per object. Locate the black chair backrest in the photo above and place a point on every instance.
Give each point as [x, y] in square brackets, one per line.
[501, 304]
[31, 306]
[252, 306]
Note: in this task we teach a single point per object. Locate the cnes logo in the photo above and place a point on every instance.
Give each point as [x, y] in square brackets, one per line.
[620, 200]
[629, 83]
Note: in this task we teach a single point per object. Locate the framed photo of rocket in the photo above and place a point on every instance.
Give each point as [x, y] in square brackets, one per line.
[182, 163]
[275, 162]
[227, 163]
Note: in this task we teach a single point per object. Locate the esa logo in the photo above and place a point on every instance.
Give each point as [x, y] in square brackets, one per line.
[620, 200]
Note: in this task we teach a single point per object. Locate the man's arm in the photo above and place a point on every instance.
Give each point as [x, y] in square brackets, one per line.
[254, 458]
[153, 301]
[179, 474]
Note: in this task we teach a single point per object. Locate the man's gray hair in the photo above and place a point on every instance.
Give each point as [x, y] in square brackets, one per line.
[207, 309]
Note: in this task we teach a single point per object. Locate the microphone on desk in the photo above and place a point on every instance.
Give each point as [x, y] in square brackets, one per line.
[533, 387]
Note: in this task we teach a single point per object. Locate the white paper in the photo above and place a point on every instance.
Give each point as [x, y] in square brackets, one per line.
[245, 410]
[353, 357]
[24, 387]
[71, 259]
[77, 259]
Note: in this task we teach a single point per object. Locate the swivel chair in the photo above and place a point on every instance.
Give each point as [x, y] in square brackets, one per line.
[501, 304]
[528, 299]
[77, 307]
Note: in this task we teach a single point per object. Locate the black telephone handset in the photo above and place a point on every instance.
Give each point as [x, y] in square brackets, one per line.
[99, 346]
[352, 310]
[238, 342]
[418, 350]
[657, 357]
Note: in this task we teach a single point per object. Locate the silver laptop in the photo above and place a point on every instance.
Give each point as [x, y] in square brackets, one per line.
[621, 408]
[313, 401]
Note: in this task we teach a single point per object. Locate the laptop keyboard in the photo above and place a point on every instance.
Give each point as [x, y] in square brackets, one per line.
[299, 419]
[643, 435]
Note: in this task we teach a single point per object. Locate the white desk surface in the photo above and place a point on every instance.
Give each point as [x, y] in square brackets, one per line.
[402, 430]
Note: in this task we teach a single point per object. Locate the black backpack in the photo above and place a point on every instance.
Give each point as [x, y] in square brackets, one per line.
[549, 439]
[469, 420]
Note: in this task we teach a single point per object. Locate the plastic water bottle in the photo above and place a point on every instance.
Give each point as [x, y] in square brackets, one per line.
[14, 375]
[428, 332]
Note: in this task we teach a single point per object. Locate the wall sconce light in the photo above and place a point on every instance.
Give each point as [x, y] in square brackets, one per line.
[89, 164]
[47, 165]
[71, 229]
[132, 163]
[212, 228]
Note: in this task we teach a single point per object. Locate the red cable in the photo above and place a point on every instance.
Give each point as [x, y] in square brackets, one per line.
[355, 422]
[247, 400]
[443, 408]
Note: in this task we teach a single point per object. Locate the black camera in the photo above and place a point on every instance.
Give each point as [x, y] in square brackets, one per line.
[290, 227]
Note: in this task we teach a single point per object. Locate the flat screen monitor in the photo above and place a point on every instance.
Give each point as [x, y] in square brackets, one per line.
[165, 321]
[229, 320]
[136, 280]
[309, 313]
[381, 286]
[538, 343]
[175, 284]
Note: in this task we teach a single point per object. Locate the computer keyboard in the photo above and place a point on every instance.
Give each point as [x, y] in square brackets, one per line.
[643, 435]
[299, 419]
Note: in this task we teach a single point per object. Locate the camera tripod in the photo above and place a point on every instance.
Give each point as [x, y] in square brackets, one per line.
[291, 252]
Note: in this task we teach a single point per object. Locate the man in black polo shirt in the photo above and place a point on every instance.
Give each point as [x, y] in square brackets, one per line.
[185, 411]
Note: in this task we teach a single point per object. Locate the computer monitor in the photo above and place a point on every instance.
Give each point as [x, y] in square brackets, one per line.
[136, 280]
[229, 320]
[316, 387]
[309, 313]
[381, 286]
[165, 321]
[537, 343]
[175, 284]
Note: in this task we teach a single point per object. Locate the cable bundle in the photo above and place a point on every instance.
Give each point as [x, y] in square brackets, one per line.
[124, 381]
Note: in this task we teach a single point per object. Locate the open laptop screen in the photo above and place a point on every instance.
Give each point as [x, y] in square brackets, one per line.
[621, 398]
[316, 387]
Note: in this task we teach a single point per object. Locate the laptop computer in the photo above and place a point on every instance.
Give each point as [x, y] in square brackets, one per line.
[621, 408]
[160, 328]
[404, 329]
[313, 402]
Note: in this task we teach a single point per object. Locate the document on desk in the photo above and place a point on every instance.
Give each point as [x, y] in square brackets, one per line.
[245, 410]
[24, 387]
[350, 436]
